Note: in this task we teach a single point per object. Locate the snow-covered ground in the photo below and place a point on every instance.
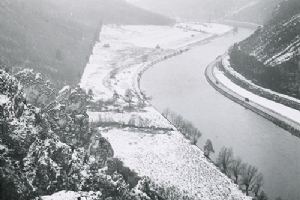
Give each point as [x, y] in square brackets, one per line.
[167, 37]
[3, 99]
[169, 159]
[286, 54]
[217, 29]
[288, 48]
[123, 48]
[122, 54]
[70, 195]
[146, 119]
[281, 109]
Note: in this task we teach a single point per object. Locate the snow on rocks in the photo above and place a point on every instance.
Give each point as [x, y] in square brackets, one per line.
[286, 54]
[3, 99]
[70, 195]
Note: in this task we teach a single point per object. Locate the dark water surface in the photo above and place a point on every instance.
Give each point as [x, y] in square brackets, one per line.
[179, 84]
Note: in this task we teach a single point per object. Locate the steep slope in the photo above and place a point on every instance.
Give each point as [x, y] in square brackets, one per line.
[270, 57]
[42, 153]
[258, 11]
[56, 37]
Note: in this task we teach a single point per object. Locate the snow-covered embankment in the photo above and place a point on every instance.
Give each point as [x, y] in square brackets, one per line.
[282, 115]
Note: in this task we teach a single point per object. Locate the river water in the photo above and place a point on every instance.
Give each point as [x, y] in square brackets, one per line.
[179, 84]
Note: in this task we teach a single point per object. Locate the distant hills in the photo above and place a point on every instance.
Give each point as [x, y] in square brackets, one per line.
[256, 11]
[271, 56]
[56, 37]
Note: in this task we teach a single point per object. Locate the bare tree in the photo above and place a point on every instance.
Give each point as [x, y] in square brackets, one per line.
[257, 185]
[224, 160]
[166, 113]
[262, 196]
[237, 168]
[208, 148]
[194, 139]
[129, 97]
[248, 178]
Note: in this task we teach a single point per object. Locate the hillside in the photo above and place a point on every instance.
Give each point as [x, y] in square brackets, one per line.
[95, 145]
[59, 152]
[255, 11]
[258, 11]
[270, 57]
[56, 37]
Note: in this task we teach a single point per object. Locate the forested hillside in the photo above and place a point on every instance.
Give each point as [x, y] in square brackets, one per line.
[270, 57]
[258, 11]
[56, 37]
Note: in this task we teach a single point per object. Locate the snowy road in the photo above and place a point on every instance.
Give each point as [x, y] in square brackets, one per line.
[281, 115]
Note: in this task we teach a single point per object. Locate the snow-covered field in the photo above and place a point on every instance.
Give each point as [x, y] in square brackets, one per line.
[281, 109]
[146, 119]
[122, 49]
[170, 159]
[122, 54]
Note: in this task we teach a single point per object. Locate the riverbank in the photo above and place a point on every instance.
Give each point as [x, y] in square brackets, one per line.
[218, 80]
[154, 150]
[240, 80]
[239, 24]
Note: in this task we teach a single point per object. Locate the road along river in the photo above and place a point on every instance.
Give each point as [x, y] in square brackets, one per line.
[179, 84]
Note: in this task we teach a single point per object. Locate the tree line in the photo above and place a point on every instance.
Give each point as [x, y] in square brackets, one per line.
[186, 127]
[246, 176]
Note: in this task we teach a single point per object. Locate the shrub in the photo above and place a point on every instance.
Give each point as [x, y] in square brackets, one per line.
[116, 165]
[185, 127]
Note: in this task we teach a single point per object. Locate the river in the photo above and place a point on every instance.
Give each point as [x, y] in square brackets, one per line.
[179, 84]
